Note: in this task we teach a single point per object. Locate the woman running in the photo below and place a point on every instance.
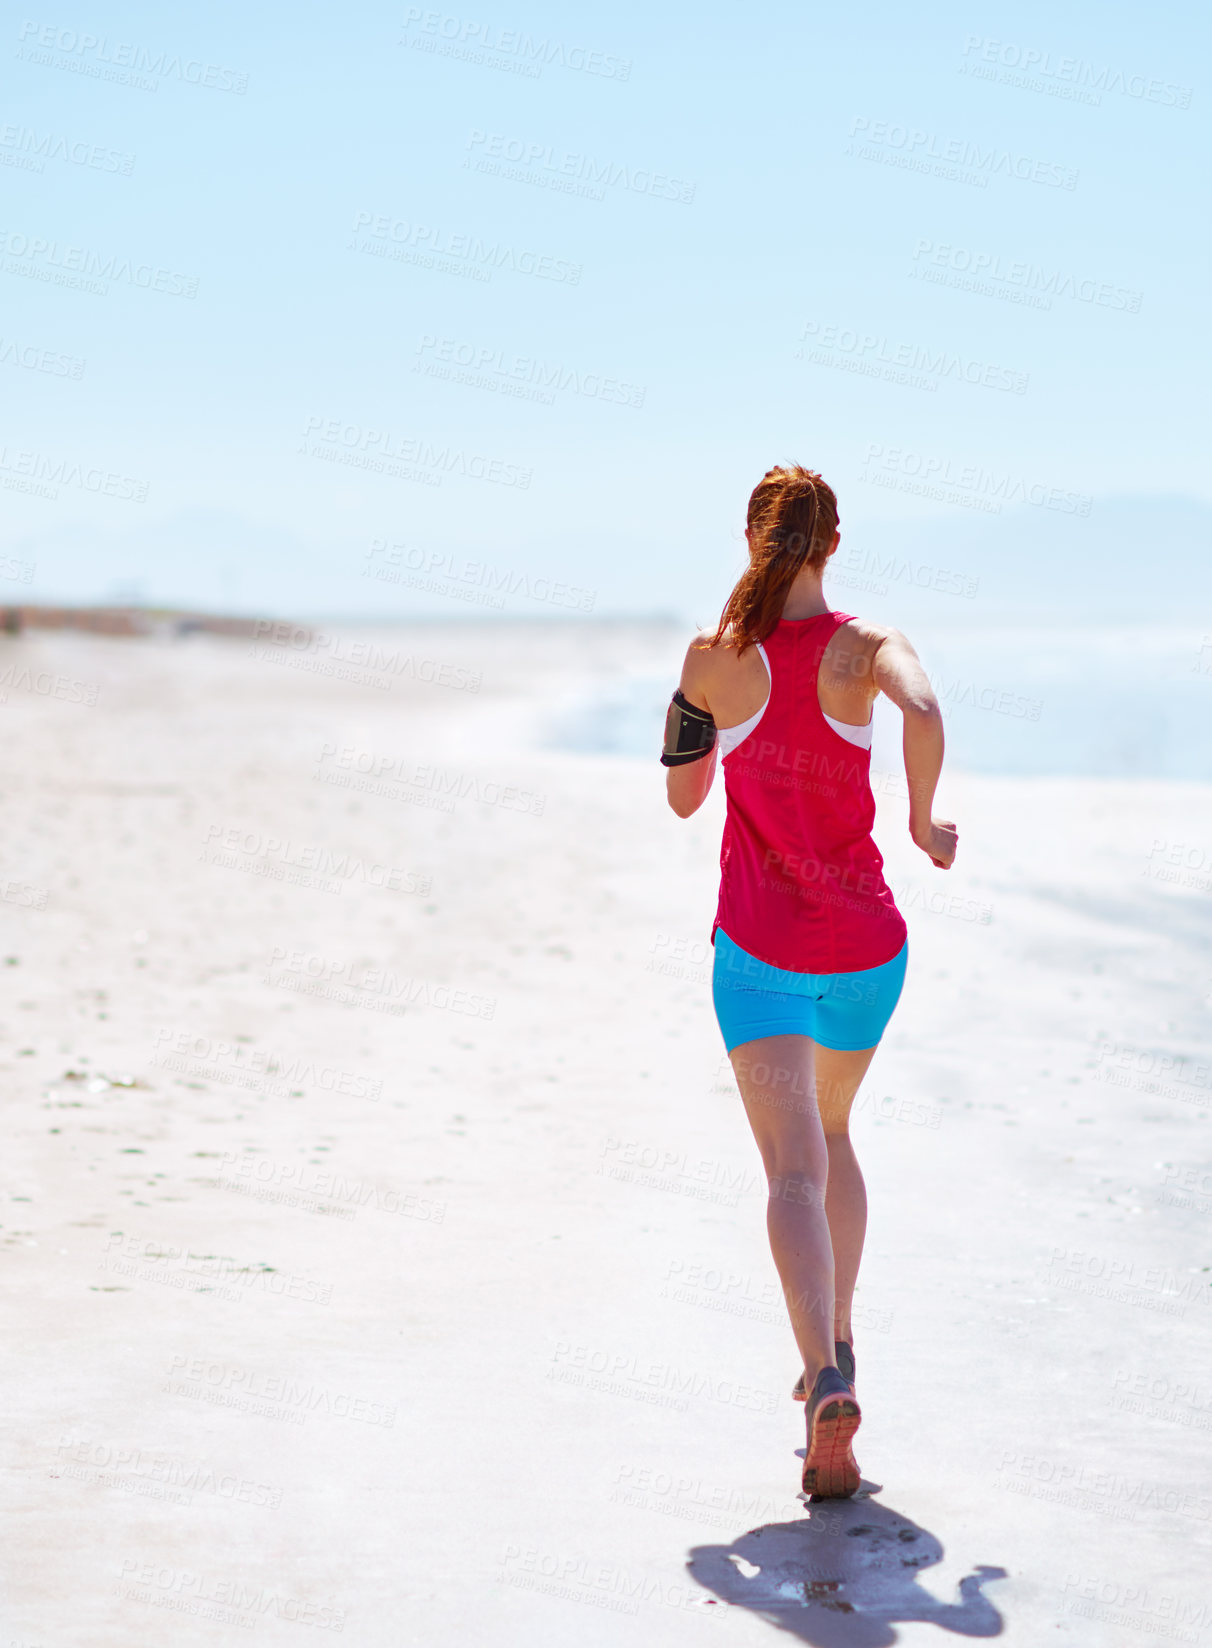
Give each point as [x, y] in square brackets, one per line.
[810, 948]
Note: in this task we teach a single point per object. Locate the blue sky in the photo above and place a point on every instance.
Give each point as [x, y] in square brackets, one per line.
[772, 183]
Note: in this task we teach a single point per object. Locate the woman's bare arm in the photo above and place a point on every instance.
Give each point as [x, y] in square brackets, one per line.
[686, 786]
[899, 673]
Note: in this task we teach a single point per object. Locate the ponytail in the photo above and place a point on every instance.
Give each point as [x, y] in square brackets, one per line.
[792, 518]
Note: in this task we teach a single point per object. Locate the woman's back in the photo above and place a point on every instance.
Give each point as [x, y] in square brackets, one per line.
[846, 685]
[801, 880]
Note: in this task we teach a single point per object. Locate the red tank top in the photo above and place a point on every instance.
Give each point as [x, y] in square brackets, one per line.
[801, 881]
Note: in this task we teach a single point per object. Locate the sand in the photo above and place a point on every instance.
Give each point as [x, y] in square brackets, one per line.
[385, 1245]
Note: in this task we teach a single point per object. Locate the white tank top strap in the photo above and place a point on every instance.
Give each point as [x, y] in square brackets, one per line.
[852, 734]
[729, 738]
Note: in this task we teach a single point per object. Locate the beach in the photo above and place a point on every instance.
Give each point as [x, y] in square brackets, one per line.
[385, 1242]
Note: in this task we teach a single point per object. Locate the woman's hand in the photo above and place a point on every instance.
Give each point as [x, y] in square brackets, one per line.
[937, 839]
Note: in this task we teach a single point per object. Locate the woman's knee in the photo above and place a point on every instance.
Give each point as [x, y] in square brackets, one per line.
[793, 1192]
[800, 1152]
[798, 1183]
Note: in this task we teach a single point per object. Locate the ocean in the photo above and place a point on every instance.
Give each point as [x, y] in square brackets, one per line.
[1111, 701]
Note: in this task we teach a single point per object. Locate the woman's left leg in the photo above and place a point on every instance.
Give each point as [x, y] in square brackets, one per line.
[775, 1077]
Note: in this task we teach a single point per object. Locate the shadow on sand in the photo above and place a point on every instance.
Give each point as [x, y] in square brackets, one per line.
[843, 1576]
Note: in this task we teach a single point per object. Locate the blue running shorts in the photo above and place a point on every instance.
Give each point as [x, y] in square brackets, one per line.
[844, 1011]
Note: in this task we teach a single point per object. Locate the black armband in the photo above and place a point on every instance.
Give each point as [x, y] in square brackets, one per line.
[689, 732]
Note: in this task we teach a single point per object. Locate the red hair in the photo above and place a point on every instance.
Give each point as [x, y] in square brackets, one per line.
[792, 518]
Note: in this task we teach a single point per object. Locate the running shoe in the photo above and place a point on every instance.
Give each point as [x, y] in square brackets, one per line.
[843, 1355]
[833, 1417]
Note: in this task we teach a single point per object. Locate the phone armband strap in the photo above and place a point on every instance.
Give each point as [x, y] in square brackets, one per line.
[689, 732]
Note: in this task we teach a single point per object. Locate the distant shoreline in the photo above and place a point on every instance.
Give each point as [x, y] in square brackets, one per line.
[140, 621]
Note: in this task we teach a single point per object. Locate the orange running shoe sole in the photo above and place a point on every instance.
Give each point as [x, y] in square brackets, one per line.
[829, 1470]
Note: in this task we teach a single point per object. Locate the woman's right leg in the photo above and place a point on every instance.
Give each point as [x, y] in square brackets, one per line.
[838, 1076]
[854, 1008]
